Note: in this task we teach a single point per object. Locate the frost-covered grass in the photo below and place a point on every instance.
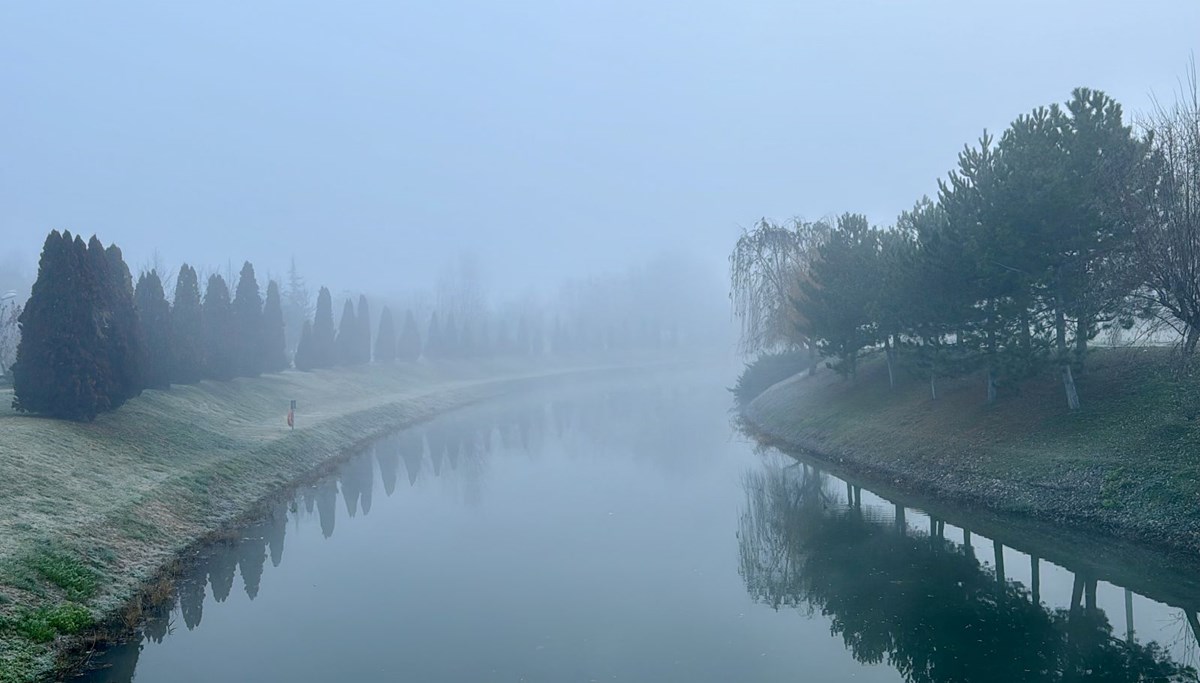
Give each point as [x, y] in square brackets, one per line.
[89, 512]
[1127, 463]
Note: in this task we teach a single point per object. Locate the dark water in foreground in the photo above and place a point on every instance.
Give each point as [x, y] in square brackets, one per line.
[629, 534]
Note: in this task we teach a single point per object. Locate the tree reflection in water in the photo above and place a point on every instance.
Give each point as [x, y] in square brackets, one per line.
[928, 608]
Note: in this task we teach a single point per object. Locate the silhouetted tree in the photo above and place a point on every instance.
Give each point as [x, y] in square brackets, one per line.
[306, 349]
[347, 336]
[363, 335]
[297, 307]
[324, 344]
[220, 356]
[409, 348]
[187, 329]
[247, 325]
[274, 343]
[154, 314]
[121, 329]
[56, 371]
[385, 343]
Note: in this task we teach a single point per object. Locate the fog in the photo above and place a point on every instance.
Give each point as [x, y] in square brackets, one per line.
[551, 141]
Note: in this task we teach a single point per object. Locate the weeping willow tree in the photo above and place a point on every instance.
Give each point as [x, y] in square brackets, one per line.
[766, 267]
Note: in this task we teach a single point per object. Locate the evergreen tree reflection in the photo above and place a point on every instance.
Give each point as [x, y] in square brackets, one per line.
[932, 611]
[387, 453]
[276, 530]
[326, 498]
[222, 565]
[412, 451]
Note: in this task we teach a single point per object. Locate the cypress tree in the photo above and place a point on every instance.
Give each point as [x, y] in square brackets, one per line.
[385, 343]
[324, 350]
[154, 314]
[56, 371]
[409, 347]
[122, 330]
[364, 330]
[187, 329]
[306, 349]
[247, 325]
[433, 340]
[347, 336]
[274, 342]
[220, 350]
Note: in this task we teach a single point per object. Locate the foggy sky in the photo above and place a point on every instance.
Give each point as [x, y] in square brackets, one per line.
[374, 140]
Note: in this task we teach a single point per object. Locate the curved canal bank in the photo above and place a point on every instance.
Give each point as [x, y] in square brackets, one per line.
[1123, 468]
[94, 512]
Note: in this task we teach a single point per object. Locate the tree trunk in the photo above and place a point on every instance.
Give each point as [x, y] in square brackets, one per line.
[1060, 333]
[933, 385]
[1189, 343]
[890, 351]
[1128, 616]
[991, 385]
[998, 551]
[1069, 386]
[901, 524]
[1036, 580]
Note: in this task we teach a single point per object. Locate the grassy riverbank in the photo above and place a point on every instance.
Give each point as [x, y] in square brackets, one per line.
[1127, 464]
[91, 512]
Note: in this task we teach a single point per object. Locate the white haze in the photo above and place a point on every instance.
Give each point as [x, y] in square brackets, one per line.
[375, 142]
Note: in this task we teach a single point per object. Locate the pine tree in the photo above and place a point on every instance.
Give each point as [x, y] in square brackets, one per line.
[347, 336]
[187, 329]
[122, 330]
[219, 332]
[56, 372]
[385, 343]
[363, 317]
[274, 343]
[324, 344]
[247, 325]
[297, 306]
[306, 349]
[409, 348]
[154, 314]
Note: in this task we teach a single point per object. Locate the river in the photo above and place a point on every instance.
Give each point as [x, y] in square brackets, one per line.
[628, 532]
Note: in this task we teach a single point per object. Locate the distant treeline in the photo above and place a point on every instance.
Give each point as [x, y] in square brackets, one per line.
[1071, 224]
[90, 338]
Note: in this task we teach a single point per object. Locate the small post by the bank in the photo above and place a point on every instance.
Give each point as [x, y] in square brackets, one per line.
[292, 415]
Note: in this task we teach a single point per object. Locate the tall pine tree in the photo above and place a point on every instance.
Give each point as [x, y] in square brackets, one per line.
[220, 348]
[187, 329]
[347, 336]
[121, 334]
[306, 349]
[154, 314]
[324, 344]
[274, 343]
[247, 325]
[385, 343]
[364, 330]
[409, 347]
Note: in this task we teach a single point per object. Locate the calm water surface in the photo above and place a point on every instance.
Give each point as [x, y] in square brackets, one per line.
[629, 533]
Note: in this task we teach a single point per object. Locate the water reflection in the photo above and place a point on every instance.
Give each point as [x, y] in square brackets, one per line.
[918, 601]
[900, 589]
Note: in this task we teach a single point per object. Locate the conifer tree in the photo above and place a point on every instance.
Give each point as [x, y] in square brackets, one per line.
[56, 372]
[154, 315]
[306, 349]
[274, 343]
[297, 306]
[122, 336]
[347, 336]
[363, 335]
[220, 347]
[187, 329]
[385, 343]
[409, 347]
[247, 325]
[324, 346]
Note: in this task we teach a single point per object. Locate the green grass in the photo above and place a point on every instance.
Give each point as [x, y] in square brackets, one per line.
[90, 511]
[1126, 461]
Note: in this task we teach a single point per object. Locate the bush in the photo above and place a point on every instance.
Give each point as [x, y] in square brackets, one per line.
[767, 369]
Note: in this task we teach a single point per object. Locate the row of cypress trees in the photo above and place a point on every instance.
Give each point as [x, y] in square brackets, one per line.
[91, 340]
[322, 347]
